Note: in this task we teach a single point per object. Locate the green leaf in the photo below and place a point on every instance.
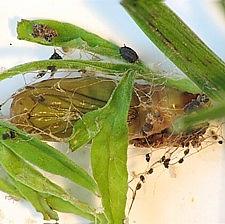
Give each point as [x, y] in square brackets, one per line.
[60, 205]
[116, 69]
[68, 35]
[7, 185]
[108, 129]
[37, 201]
[32, 184]
[170, 34]
[95, 66]
[21, 171]
[48, 204]
[45, 157]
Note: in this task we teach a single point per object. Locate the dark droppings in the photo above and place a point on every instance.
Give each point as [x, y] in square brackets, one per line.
[186, 151]
[138, 187]
[128, 54]
[44, 31]
[147, 157]
[142, 178]
[150, 171]
[181, 160]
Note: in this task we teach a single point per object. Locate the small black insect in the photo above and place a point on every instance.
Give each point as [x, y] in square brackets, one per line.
[12, 134]
[55, 55]
[52, 68]
[220, 142]
[196, 103]
[192, 106]
[128, 54]
[9, 135]
[41, 74]
[203, 98]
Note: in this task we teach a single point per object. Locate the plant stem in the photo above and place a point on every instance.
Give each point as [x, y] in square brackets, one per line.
[170, 34]
[142, 72]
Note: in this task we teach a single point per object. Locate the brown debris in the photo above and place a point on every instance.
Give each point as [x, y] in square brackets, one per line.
[165, 138]
[44, 31]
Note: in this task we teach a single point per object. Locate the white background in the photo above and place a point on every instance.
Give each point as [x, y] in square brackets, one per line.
[197, 193]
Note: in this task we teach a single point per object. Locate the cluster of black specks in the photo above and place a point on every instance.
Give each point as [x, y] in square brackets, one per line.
[178, 153]
[9, 135]
[166, 160]
[128, 54]
[43, 31]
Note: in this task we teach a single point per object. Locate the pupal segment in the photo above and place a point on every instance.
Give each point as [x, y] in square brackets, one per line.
[50, 108]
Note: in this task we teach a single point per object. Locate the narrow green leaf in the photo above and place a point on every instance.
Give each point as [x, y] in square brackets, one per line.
[48, 204]
[37, 201]
[68, 35]
[7, 185]
[169, 33]
[183, 84]
[108, 129]
[23, 173]
[95, 66]
[192, 120]
[60, 205]
[26, 174]
[45, 157]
